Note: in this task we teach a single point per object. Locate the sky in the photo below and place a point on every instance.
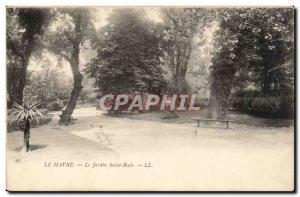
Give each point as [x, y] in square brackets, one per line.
[100, 15]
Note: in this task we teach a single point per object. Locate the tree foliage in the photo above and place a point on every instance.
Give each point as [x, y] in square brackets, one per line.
[128, 58]
[254, 47]
[25, 26]
[68, 36]
[49, 84]
[179, 29]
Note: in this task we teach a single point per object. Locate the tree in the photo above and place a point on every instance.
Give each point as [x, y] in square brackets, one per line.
[88, 90]
[252, 48]
[71, 30]
[47, 84]
[128, 59]
[25, 26]
[180, 26]
[274, 40]
[25, 114]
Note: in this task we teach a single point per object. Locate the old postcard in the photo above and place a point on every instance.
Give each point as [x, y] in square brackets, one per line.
[150, 98]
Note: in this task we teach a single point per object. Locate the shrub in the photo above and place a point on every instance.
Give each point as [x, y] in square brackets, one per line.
[236, 102]
[55, 106]
[19, 125]
[246, 103]
[91, 100]
[202, 103]
[265, 106]
[287, 107]
[272, 107]
[247, 93]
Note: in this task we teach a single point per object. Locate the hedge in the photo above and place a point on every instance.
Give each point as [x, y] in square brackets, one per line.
[271, 107]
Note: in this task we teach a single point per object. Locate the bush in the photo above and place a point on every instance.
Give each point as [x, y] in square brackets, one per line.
[247, 93]
[287, 107]
[272, 107]
[55, 106]
[15, 126]
[91, 100]
[202, 103]
[265, 106]
[169, 115]
[236, 102]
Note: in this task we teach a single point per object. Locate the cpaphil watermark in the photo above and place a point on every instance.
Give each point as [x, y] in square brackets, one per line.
[127, 102]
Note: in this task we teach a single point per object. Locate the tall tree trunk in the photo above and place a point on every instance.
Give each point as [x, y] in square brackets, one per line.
[182, 57]
[26, 145]
[65, 117]
[212, 106]
[19, 95]
[28, 38]
[220, 92]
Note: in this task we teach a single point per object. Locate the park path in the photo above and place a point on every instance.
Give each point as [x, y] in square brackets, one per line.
[53, 140]
[214, 159]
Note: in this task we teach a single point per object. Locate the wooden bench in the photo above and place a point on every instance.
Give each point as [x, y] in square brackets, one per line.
[213, 120]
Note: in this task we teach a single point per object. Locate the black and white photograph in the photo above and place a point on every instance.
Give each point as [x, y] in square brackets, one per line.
[150, 98]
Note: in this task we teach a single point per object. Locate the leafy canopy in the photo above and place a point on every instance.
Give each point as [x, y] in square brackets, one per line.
[129, 57]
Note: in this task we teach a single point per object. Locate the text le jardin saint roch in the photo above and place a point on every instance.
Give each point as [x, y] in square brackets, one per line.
[69, 164]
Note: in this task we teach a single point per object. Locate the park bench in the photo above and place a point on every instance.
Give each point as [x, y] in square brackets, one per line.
[213, 120]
